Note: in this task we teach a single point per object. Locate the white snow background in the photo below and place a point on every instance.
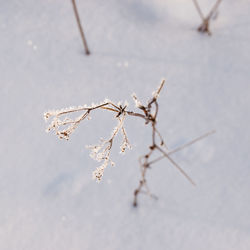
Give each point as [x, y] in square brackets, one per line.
[48, 200]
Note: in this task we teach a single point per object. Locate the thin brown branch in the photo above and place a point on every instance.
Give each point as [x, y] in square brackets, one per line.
[150, 115]
[214, 9]
[102, 151]
[84, 41]
[205, 26]
[176, 165]
[110, 109]
[197, 6]
[183, 146]
[131, 113]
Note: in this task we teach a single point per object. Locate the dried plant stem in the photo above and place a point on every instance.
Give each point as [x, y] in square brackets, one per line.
[204, 27]
[147, 164]
[183, 146]
[64, 126]
[150, 113]
[87, 52]
[176, 165]
[197, 6]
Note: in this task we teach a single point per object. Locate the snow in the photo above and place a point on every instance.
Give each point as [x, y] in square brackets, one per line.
[47, 195]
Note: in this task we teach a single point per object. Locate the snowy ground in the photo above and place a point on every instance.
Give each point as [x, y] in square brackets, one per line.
[48, 200]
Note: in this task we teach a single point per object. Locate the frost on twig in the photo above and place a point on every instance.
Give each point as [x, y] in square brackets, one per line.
[62, 123]
[205, 26]
[64, 126]
[102, 151]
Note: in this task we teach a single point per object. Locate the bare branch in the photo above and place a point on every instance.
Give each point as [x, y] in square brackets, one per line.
[151, 118]
[183, 146]
[84, 41]
[176, 165]
[157, 92]
[197, 6]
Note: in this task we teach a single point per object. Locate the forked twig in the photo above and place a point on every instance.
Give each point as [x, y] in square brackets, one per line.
[87, 52]
[150, 112]
[65, 126]
[205, 26]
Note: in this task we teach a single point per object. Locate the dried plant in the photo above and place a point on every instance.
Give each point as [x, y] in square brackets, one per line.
[87, 52]
[205, 26]
[65, 126]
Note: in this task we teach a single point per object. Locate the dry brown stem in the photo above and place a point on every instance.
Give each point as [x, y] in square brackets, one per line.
[205, 26]
[84, 41]
[150, 112]
[65, 126]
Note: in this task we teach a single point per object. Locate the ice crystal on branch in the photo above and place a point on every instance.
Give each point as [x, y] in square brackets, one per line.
[137, 102]
[156, 93]
[102, 151]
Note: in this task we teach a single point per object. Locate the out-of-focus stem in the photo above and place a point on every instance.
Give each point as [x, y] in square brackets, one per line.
[87, 52]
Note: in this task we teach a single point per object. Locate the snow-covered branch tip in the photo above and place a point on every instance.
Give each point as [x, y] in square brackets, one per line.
[63, 124]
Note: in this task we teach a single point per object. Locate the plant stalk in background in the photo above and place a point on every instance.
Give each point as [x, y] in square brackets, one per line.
[205, 26]
[84, 41]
